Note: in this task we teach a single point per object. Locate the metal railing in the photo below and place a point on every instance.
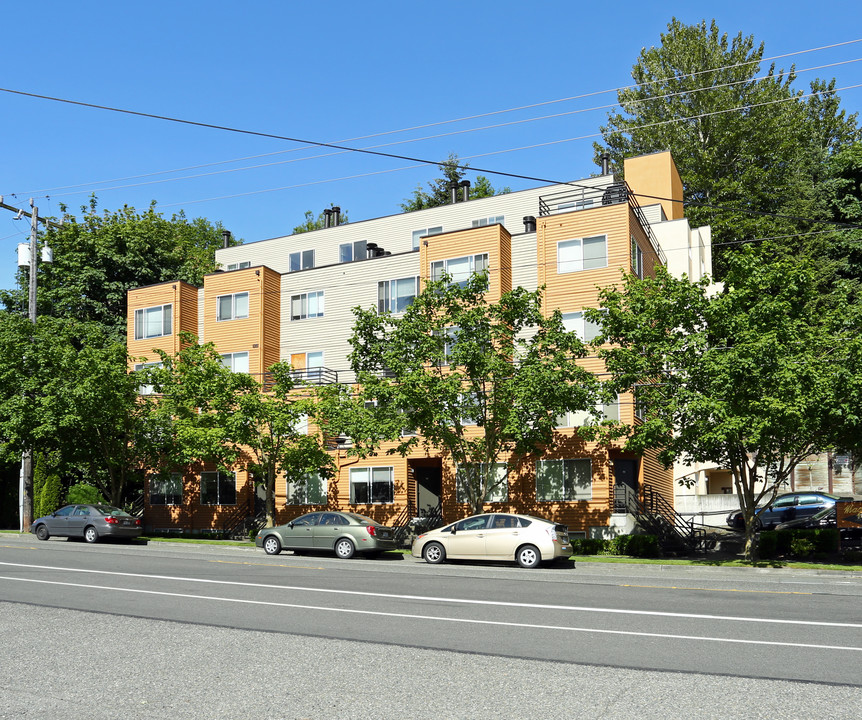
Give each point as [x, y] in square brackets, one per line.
[655, 514]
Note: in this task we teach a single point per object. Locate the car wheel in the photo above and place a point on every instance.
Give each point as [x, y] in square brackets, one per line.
[345, 548]
[42, 532]
[528, 556]
[433, 553]
[90, 534]
[758, 525]
[271, 545]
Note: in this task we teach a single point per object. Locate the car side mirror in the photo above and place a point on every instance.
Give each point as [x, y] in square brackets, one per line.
[453, 531]
[290, 525]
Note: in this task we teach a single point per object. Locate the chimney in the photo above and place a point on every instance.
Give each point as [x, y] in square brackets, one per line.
[606, 164]
[529, 223]
[453, 189]
[225, 237]
[327, 215]
[370, 249]
[465, 190]
[336, 216]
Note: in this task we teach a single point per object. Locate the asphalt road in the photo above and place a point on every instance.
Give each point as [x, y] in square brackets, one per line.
[231, 632]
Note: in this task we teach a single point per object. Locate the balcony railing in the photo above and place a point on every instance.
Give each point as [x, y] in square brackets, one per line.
[587, 198]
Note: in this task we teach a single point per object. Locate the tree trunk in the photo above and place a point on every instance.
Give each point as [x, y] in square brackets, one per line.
[270, 497]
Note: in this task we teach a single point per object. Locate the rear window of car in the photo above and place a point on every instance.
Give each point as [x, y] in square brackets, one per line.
[362, 519]
[111, 510]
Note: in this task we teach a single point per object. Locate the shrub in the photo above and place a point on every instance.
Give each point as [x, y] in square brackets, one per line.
[47, 487]
[587, 546]
[632, 545]
[774, 543]
[645, 546]
[801, 547]
[85, 495]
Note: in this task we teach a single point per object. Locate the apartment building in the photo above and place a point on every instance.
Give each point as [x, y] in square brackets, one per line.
[290, 298]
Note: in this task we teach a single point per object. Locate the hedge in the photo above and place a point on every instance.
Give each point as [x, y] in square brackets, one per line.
[778, 542]
[631, 545]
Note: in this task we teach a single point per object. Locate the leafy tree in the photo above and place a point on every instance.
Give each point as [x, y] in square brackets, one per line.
[473, 378]
[230, 418]
[438, 192]
[47, 487]
[319, 223]
[754, 378]
[99, 257]
[740, 139]
[843, 190]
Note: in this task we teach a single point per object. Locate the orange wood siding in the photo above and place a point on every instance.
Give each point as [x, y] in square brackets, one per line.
[183, 299]
[271, 328]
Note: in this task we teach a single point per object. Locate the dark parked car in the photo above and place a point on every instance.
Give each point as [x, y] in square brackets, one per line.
[791, 506]
[344, 533]
[90, 522]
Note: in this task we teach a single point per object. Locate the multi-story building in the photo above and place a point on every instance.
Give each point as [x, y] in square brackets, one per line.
[290, 298]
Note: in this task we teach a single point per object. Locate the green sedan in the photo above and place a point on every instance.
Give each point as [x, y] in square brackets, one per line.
[344, 533]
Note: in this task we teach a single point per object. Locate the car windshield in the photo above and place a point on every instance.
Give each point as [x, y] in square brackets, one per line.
[111, 510]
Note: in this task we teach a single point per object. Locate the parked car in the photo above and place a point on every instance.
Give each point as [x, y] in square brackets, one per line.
[790, 506]
[827, 517]
[495, 536]
[343, 532]
[90, 522]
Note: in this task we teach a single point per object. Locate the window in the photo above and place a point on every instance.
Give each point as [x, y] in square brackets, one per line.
[396, 295]
[586, 330]
[499, 482]
[153, 322]
[579, 418]
[419, 234]
[300, 427]
[459, 269]
[450, 337]
[302, 260]
[494, 220]
[310, 490]
[166, 490]
[637, 257]
[232, 307]
[146, 389]
[306, 305]
[349, 252]
[218, 488]
[564, 480]
[582, 254]
[239, 266]
[371, 485]
[236, 362]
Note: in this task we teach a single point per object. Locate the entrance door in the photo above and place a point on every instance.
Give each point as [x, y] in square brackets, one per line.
[626, 484]
[429, 485]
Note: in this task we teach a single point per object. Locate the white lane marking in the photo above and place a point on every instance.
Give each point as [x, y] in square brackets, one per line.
[464, 601]
[531, 626]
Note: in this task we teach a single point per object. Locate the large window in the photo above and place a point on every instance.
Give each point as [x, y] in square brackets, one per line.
[371, 485]
[310, 490]
[349, 252]
[564, 480]
[218, 488]
[306, 305]
[302, 260]
[425, 232]
[153, 321]
[146, 389]
[579, 418]
[236, 362]
[459, 269]
[232, 307]
[586, 329]
[396, 295]
[499, 492]
[582, 254]
[166, 490]
[449, 336]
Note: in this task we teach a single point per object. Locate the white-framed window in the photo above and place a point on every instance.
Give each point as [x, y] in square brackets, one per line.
[460, 269]
[146, 389]
[579, 418]
[166, 489]
[372, 485]
[218, 488]
[425, 232]
[236, 362]
[498, 493]
[564, 480]
[155, 321]
[306, 305]
[300, 427]
[493, 220]
[637, 258]
[232, 307]
[582, 254]
[310, 490]
[450, 337]
[307, 366]
[301, 260]
[239, 265]
[350, 252]
[396, 295]
[586, 330]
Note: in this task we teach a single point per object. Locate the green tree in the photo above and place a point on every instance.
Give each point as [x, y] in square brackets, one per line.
[231, 418]
[753, 378]
[439, 192]
[741, 139]
[47, 487]
[454, 361]
[843, 191]
[319, 223]
[99, 257]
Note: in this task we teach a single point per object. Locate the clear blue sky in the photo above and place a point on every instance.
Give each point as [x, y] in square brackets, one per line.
[332, 72]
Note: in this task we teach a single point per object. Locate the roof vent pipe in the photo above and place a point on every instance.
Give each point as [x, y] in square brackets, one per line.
[465, 190]
[336, 216]
[370, 249]
[453, 190]
[327, 215]
[529, 223]
[225, 237]
[606, 164]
